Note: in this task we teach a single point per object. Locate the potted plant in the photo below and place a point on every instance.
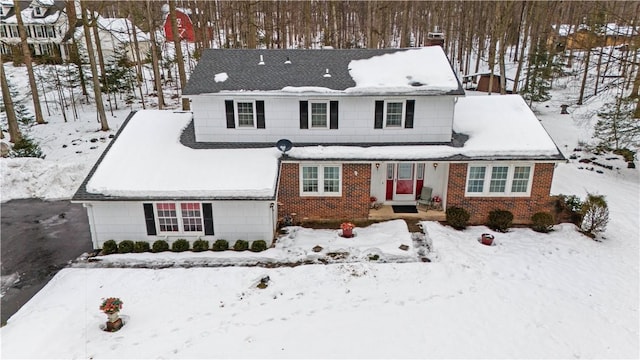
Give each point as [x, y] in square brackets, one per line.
[347, 229]
[112, 306]
[486, 239]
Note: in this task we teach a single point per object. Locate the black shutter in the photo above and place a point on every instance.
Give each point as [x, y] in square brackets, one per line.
[149, 219]
[379, 112]
[304, 115]
[260, 113]
[231, 121]
[207, 213]
[333, 113]
[408, 115]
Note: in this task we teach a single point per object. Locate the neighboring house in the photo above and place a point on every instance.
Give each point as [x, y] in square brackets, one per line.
[47, 25]
[116, 34]
[363, 123]
[584, 37]
[45, 22]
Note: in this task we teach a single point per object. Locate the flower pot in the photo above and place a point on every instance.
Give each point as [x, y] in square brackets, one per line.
[486, 239]
[114, 322]
[347, 232]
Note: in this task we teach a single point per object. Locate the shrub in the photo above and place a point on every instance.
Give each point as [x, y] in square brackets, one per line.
[160, 246]
[125, 246]
[200, 245]
[569, 208]
[220, 245]
[241, 245]
[595, 214]
[457, 217]
[109, 247]
[140, 247]
[180, 245]
[500, 220]
[542, 222]
[627, 154]
[258, 245]
[26, 148]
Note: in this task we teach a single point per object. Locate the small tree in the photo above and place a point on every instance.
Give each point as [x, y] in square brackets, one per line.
[617, 128]
[595, 214]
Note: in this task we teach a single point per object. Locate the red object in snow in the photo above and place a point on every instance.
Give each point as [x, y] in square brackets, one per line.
[185, 27]
[486, 239]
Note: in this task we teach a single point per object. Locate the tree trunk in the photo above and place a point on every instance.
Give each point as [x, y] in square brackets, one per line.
[177, 44]
[137, 57]
[103, 72]
[14, 131]
[154, 57]
[104, 126]
[584, 77]
[27, 61]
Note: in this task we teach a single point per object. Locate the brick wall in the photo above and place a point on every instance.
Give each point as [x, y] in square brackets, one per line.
[521, 207]
[352, 205]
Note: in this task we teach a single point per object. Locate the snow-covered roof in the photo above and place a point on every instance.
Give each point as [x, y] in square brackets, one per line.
[120, 28]
[610, 29]
[498, 126]
[148, 160]
[53, 10]
[356, 71]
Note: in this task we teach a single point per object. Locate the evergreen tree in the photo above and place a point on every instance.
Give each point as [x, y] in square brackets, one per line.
[617, 128]
[539, 75]
[120, 78]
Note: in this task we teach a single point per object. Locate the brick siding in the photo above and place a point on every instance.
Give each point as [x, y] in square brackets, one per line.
[352, 205]
[521, 207]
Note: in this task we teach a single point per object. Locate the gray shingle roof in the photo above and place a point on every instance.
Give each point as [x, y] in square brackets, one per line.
[305, 70]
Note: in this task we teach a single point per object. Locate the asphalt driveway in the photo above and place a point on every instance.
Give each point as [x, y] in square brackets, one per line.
[38, 238]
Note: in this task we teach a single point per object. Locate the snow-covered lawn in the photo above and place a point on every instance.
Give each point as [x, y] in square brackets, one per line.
[532, 295]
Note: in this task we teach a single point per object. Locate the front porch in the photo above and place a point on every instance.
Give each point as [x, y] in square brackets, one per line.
[385, 212]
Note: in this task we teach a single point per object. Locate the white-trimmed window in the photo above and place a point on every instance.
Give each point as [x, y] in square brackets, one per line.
[167, 217]
[51, 31]
[394, 113]
[318, 114]
[182, 217]
[37, 11]
[499, 180]
[245, 114]
[324, 180]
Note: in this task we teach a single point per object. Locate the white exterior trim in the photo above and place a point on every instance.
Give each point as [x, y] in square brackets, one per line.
[509, 181]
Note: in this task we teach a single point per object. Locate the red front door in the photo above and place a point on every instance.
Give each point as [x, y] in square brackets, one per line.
[401, 181]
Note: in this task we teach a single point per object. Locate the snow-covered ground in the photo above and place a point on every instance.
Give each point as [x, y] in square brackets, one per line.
[556, 295]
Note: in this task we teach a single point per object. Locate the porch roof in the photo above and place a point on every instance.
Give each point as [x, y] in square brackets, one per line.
[498, 127]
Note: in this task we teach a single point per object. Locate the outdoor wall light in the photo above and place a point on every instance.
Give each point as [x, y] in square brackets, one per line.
[435, 166]
[377, 165]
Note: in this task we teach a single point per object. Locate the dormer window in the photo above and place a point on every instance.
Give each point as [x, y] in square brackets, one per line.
[38, 11]
[2, 11]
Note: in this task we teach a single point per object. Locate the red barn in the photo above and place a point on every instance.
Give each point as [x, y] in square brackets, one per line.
[185, 27]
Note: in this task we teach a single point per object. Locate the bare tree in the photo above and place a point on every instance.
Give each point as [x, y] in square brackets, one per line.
[154, 56]
[176, 43]
[27, 61]
[14, 131]
[104, 126]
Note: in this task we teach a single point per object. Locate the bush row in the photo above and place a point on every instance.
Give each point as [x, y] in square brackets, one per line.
[498, 220]
[180, 245]
[591, 215]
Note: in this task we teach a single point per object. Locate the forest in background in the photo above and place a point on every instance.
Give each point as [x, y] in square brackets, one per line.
[498, 34]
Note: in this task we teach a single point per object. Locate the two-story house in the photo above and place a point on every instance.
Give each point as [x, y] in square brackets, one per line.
[361, 122]
[45, 23]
